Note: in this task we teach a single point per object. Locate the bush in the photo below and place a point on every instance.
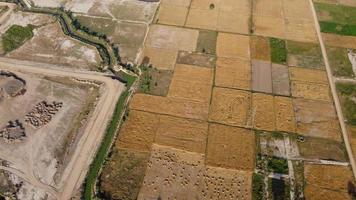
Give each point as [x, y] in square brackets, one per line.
[257, 187]
[16, 36]
[277, 165]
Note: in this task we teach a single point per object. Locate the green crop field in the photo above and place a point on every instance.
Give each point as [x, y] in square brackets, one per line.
[16, 36]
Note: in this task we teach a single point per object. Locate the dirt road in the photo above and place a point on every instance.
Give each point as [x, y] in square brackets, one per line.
[75, 171]
[333, 91]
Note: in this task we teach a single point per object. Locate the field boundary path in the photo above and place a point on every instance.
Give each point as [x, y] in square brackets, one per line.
[333, 91]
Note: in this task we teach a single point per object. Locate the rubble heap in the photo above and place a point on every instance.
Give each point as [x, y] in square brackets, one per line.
[13, 131]
[11, 85]
[42, 113]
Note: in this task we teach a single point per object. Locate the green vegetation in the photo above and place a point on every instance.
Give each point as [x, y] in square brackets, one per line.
[257, 187]
[146, 79]
[106, 142]
[277, 165]
[278, 51]
[298, 167]
[337, 19]
[347, 94]
[339, 61]
[16, 36]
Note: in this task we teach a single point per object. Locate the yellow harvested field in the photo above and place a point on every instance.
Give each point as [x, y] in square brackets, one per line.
[202, 18]
[172, 14]
[231, 107]
[308, 75]
[268, 8]
[317, 193]
[188, 135]
[233, 46]
[204, 4]
[178, 174]
[138, 132]
[163, 59]
[233, 73]
[177, 2]
[170, 106]
[339, 40]
[234, 22]
[260, 48]
[284, 114]
[311, 91]
[300, 30]
[169, 37]
[269, 26]
[316, 119]
[331, 177]
[297, 9]
[192, 83]
[263, 112]
[230, 147]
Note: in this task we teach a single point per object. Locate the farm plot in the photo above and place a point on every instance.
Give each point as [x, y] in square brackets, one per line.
[172, 38]
[191, 83]
[50, 45]
[179, 174]
[260, 48]
[302, 54]
[230, 147]
[138, 132]
[233, 73]
[340, 62]
[188, 135]
[327, 177]
[123, 174]
[155, 81]
[170, 106]
[261, 76]
[173, 13]
[308, 75]
[313, 91]
[339, 40]
[285, 119]
[220, 15]
[232, 107]
[207, 42]
[198, 59]
[162, 59]
[316, 119]
[233, 46]
[280, 80]
[282, 19]
[263, 112]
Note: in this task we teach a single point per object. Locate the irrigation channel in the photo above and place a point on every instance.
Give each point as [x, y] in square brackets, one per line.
[110, 58]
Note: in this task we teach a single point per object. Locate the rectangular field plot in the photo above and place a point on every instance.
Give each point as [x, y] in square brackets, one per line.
[285, 119]
[327, 177]
[172, 14]
[138, 132]
[174, 38]
[230, 147]
[313, 91]
[308, 75]
[263, 112]
[260, 48]
[192, 83]
[189, 135]
[233, 73]
[170, 106]
[233, 46]
[197, 59]
[280, 80]
[232, 107]
[316, 119]
[163, 59]
[261, 76]
[177, 174]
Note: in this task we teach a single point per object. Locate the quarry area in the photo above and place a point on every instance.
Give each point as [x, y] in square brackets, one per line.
[178, 99]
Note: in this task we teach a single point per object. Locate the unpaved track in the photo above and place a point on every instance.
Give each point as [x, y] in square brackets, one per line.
[86, 148]
[334, 92]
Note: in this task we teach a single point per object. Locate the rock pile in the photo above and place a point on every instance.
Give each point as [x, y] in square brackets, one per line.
[42, 113]
[13, 131]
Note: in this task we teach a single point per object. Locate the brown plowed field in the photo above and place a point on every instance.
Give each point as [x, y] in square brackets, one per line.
[260, 48]
[230, 147]
[232, 107]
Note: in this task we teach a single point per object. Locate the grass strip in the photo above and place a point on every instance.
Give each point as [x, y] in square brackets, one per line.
[105, 146]
[336, 28]
[278, 51]
[16, 36]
